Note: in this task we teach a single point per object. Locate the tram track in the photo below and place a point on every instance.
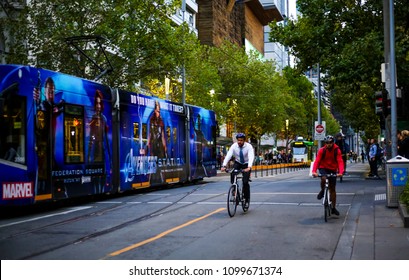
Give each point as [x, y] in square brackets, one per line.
[100, 212]
[169, 208]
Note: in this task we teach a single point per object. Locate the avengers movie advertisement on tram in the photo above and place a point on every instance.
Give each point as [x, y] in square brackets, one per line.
[203, 142]
[59, 127]
[152, 145]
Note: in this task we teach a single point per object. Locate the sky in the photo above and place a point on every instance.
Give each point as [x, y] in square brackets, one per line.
[291, 4]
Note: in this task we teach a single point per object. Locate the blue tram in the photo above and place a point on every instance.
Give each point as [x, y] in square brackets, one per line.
[62, 137]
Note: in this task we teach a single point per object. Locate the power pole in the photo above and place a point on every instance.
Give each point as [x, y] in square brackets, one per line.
[390, 75]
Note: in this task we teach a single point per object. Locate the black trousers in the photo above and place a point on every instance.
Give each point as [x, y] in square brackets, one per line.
[246, 178]
[332, 182]
[373, 166]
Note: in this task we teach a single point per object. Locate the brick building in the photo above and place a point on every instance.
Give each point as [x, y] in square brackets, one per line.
[240, 22]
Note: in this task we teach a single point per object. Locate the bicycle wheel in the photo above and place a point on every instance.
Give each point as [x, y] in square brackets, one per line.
[232, 200]
[326, 211]
[327, 208]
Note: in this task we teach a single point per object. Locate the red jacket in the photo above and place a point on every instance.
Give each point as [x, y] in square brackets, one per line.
[329, 162]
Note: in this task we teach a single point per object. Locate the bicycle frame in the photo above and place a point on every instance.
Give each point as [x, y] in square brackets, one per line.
[235, 194]
[326, 200]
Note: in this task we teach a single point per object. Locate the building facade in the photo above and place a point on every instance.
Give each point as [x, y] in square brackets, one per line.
[239, 22]
[187, 13]
[8, 9]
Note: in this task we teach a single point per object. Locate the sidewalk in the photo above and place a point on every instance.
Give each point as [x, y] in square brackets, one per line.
[372, 231]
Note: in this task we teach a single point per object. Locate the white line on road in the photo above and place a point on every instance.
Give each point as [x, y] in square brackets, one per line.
[47, 216]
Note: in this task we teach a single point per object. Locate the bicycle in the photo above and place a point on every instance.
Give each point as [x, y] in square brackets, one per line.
[381, 163]
[326, 200]
[235, 195]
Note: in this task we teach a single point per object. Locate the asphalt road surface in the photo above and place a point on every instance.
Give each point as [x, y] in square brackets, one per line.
[285, 222]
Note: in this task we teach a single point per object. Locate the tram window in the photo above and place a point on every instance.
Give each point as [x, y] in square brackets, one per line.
[136, 131]
[145, 132]
[13, 125]
[74, 134]
[175, 135]
[168, 134]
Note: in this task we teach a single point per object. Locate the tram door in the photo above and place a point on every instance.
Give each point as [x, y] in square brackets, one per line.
[44, 147]
[47, 112]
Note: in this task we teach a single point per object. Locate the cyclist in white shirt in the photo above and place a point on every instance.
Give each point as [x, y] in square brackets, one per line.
[243, 153]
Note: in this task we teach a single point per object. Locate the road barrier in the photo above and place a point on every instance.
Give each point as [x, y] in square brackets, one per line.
[260, 170]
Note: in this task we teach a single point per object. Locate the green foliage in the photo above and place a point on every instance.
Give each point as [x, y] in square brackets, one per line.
[404, 196]
[346, 38]
[143, 45]
[139, 36]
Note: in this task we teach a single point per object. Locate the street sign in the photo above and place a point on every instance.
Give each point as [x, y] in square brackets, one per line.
[319, 131]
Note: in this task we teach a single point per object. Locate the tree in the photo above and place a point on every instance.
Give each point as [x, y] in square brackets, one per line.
[137, 36]
[304, 103]
[346, 38]
[252, 90]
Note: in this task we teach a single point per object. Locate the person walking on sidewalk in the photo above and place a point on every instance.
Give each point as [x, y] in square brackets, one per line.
[403, 147]
[343, 147]
[329, 160]
[373, 159]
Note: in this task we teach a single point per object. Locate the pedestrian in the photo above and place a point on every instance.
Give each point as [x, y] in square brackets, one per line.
[403, 148]
[363, 156]
[343, 146]
[373, 160]
[367, 148]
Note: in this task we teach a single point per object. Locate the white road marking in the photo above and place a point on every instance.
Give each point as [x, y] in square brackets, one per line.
[47, 216]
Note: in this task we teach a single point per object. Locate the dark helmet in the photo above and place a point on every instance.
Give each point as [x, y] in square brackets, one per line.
[329, 138]
[240, 135]
[339, 134]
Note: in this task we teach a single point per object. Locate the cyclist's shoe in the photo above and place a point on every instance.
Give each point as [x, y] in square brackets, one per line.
[334, 211]
[320, 195]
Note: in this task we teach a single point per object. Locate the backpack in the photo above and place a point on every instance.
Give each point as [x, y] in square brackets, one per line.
[335, 153]
[379, 152]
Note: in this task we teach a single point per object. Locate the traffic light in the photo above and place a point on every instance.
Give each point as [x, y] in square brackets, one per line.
[382, 103]
[379, 103]
[386, 103]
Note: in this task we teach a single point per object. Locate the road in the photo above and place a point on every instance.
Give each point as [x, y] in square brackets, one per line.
[285, 222]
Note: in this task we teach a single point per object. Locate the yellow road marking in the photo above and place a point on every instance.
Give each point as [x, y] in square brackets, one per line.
[160, 235]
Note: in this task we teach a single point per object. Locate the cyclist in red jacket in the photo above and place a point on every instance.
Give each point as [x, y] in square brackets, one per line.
[329, 160]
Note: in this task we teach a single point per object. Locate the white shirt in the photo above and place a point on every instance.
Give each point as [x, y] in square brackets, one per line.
[248, 153]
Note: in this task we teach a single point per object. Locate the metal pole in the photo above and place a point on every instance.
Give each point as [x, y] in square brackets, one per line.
[319, 100]
[288, 50]
[188, 116]
[183, 66]
[386, 20]
[393, 82]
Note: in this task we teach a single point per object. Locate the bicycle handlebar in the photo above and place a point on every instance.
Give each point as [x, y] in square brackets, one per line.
[234, 170]
[328, 175]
